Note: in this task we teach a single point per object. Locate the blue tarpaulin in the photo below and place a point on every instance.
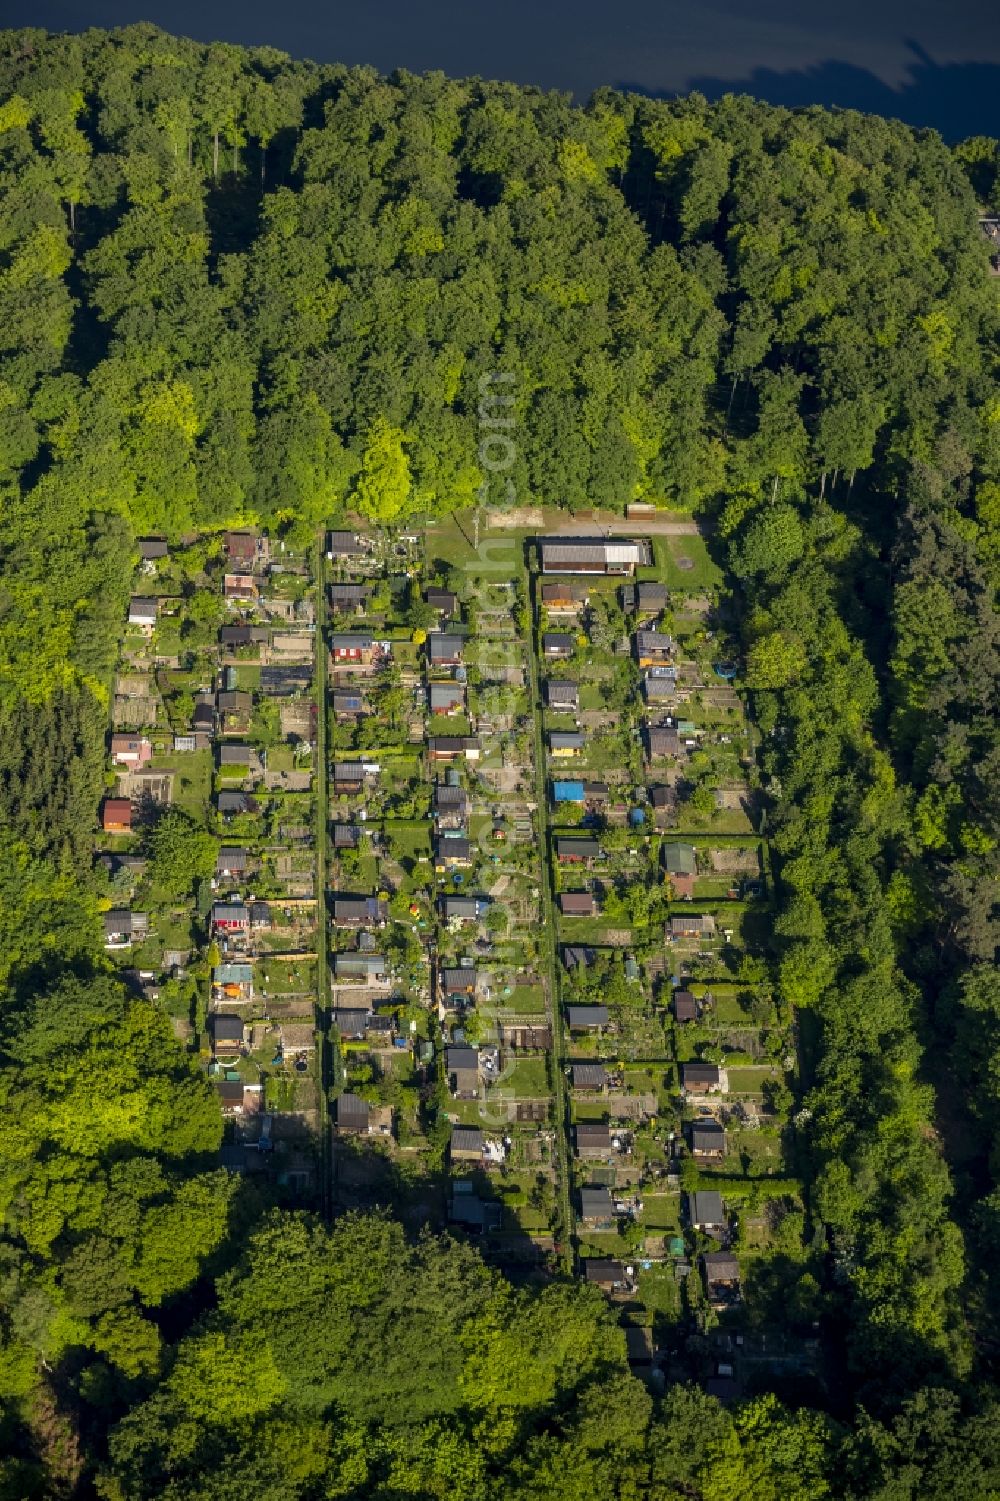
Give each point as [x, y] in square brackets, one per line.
[567, 792]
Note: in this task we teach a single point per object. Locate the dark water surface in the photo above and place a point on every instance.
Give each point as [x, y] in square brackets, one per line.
[930, 62]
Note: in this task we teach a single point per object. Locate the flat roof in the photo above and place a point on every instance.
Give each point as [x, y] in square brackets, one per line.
[594, 549]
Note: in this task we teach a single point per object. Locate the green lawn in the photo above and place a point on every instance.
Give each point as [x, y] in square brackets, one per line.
[709, 888]
[286, 976]
[450, 540]
[587, 929]
[359, 872]
[480, 825]
[551, 721]
[169, 932]
[593, 695]
[604, 1243]
[749, 1079]
[466, 1111]
[727, 1012]
[684, 563]
[594, 1111]
[529, 1079]
[642, 1080]
[659, 1292]
[526, 1000]
[661, 1211]
[407, 837]
[721, 821]
[192, 780]
[762, 1148]
[527, 1218]
[405, 653]
[448, 724]
[279, 1093]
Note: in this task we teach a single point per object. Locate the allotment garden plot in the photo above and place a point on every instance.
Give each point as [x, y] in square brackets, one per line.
[441, 1001]
[677, 1053]
[207, 846]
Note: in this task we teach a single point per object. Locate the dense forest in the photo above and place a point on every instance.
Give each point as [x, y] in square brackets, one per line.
[235, 287]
